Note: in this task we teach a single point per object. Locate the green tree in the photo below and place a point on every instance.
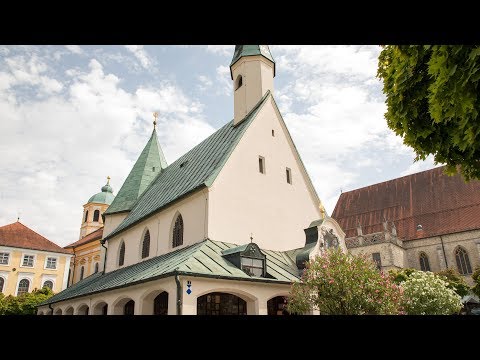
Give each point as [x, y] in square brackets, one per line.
[25, 304]
[455, 281]
[476, 281]
[433, 102]
[344, 284]
[425, 293]
[399, 276]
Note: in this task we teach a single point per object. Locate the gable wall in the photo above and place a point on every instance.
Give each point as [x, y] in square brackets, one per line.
[244, 201]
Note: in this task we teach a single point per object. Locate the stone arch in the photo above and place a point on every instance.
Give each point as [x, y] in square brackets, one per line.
[40, 313]
[148, 300]
[69, 310]
[100, 308]
[82, 309]
[119, 304]
[57, 311]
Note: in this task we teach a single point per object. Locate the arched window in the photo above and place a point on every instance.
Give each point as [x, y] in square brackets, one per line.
[86, 216]
[463, 262]
[160, 304]
[238, 82]
[2, 282]
[121, 254]
[96, 268]
[178, 232]
[129, 308]
[82, 271]
[23, 286]
[146, 245]
[424, 263]
[96, 215]
[48, 284]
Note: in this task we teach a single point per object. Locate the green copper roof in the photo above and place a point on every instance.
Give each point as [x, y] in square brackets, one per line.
[251, 50]
[197, 168]
[104, 197]
[149, 164]
[201, 259]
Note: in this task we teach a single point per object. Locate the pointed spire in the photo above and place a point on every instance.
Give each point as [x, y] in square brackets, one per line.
[148, 165]
[155, 115]
[251, 50]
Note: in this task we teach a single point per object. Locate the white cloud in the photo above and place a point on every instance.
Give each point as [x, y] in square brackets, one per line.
[141, 55]
[56, 152]
[418, 166]
[74, 49]
[224, 50]
[205, 82]
[224, 80]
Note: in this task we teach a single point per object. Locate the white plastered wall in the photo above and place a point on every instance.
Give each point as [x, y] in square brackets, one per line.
[244, 201]
[194, 212]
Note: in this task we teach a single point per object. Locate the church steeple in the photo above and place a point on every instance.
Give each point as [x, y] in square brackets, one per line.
[148, 165]
[252, 70]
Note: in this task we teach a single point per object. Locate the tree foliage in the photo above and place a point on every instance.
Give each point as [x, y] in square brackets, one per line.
[433, 102]
[455, 281]
[344, 284]
[425, 293]
[476, 281]
[25, 304]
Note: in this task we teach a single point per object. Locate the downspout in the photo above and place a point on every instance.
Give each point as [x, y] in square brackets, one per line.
[105, 257]
[179, 293]
[444, 254]
[50, 307]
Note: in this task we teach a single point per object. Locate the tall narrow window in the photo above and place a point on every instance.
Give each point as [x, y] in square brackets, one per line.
[424, 263]
[178, 232]
[86, 216]
[96, 215]
[463, 262]
[146, 245]
[261, 164]
[82, 272]
[2, 282]
[23, 286]
[69, 277]
[96, 268]
[289, 175]
[238, 82]
[121, 255]
[378, 260]
[129, 308]
[48, 284]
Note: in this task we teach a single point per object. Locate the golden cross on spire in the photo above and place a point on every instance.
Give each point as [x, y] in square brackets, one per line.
[322, 210]
[155, 115]
[251, 237]
[108, 180]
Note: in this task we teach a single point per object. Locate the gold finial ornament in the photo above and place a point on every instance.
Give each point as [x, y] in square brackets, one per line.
[322, 210]
[108, 180]
[155, 115]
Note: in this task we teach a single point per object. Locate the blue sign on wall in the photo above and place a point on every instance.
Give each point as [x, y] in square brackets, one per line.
[189, 285]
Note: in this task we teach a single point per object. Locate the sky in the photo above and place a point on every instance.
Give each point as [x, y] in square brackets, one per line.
[72, 115]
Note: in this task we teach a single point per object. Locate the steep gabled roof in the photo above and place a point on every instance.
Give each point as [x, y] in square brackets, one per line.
[96, 235]
[202, 259]
[140, 177]
[19, 236]
[442, 204]
[196, 169]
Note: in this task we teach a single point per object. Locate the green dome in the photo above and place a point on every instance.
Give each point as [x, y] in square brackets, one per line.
[104, 197]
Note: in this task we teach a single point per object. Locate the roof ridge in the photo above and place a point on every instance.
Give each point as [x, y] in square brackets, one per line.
[394, 179]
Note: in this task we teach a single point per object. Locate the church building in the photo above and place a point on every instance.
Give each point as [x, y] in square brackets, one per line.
[225, 229]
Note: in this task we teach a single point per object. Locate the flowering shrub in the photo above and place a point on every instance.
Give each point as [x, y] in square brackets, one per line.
[428, 294]
[344, 284]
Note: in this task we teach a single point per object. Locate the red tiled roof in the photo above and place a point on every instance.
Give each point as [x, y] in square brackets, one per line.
[442, 204]
[19, 236]
[96, 235]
